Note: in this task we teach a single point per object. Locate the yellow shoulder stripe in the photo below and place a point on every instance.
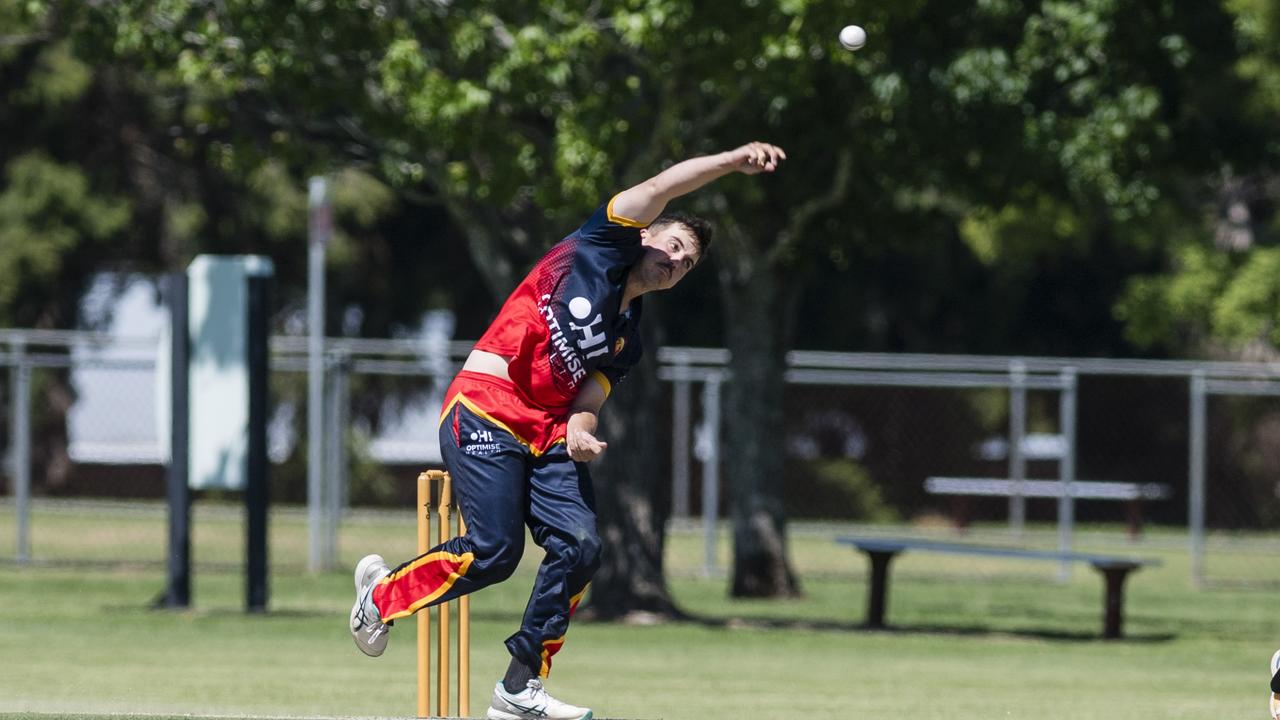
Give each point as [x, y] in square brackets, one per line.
[603, 382]
[618, 219]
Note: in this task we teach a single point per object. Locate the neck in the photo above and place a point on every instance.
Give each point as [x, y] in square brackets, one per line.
[629, 293]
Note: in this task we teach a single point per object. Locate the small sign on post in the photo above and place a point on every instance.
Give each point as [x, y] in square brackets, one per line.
[218, 325]
[228, 312]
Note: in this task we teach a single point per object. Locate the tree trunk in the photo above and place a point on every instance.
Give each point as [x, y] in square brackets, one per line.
[50, 447]
[632, 493]
[758, 310]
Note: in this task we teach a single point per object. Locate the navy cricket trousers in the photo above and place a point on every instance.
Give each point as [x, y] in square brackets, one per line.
[502, 486]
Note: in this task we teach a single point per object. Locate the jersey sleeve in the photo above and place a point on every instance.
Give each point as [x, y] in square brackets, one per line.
[608, 376]
[606, 228]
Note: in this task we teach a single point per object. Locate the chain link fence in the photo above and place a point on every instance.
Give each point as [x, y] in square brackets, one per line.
[872, 441]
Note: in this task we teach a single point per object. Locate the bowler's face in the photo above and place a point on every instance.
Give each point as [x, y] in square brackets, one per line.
[670, 252]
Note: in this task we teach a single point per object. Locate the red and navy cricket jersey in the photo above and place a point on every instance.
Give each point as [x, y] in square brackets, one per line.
[562, 325]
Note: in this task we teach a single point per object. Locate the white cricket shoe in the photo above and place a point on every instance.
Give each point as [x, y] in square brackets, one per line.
[1275, 686]
[532, 703]
[367, 628]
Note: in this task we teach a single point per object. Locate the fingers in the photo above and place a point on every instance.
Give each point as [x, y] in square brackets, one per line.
[584, 447]
[762, 157]
[585, 455]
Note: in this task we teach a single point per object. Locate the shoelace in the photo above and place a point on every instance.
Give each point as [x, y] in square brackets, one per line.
[378, 627]
[538, 697]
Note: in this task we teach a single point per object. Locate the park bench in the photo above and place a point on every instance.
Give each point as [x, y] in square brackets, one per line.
[1133, 494]
[880, 551]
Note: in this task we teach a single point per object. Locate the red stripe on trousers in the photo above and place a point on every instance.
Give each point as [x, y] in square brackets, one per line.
[418, 584]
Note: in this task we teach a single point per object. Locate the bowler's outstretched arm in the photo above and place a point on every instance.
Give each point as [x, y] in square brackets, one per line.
[644, 202]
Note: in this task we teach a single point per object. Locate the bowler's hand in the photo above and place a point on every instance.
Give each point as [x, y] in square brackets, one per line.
[757, 157]
[579, 439]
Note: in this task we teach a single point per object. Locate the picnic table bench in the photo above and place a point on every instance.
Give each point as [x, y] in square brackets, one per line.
[880, 551]
[1134, 494]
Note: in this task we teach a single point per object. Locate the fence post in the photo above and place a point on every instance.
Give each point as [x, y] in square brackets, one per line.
[711, 473]
[177, 481]
[1067, 467]
[1196, 462]
[319, 230]
[20, 447]
[257, 496]
[339, 366]
[680, 403]
[1017, 431]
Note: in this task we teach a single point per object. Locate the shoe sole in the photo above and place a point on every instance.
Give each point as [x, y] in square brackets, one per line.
[496, 714]
[366, 648]
[362, 571]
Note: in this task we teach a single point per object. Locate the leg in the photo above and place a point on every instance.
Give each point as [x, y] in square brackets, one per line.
[960, 513]
[1134, 516]
[488, 467]
[562, 520]
[878, 590]
[1113, 603]
[561, 516]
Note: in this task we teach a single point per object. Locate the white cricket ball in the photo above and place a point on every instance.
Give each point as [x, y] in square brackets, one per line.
[853, 37]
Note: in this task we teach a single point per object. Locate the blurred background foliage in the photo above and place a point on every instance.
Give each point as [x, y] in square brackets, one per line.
[1089, 178]
[1085, 177]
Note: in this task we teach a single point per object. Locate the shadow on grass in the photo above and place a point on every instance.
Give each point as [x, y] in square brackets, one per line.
[1229, 584]
[951, 630]
[221, 612]
[739, 623]
[269, 613]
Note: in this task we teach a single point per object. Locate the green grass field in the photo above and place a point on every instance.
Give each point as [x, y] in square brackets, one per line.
[972, 638]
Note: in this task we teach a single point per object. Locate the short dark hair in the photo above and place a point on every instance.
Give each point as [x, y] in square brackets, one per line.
[702, 229]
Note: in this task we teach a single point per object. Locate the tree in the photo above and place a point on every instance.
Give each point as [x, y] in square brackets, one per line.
[999, 136]
[487, 111]
[137, 172]
[1214, 294]
[54, 216]
[633, 505]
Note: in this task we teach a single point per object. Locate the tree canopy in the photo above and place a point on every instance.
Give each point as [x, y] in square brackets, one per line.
[1085, 177]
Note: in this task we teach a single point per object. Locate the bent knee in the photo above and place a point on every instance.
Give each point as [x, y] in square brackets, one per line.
[590, 550]
[499, 560]
[581, 550]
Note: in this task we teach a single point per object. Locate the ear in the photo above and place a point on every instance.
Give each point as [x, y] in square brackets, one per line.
[644, 234]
